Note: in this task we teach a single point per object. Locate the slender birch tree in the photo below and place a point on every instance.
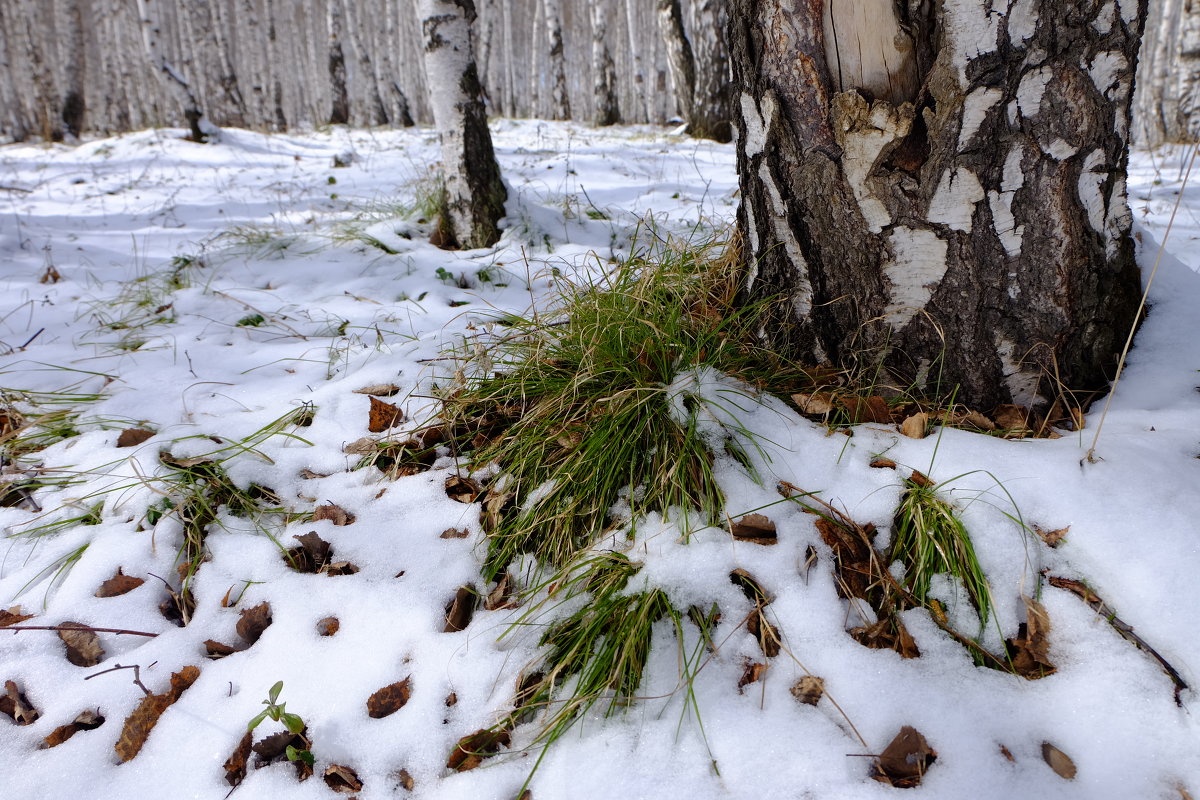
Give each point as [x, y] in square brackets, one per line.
[940, 187]
[475, 194]
[604, 72]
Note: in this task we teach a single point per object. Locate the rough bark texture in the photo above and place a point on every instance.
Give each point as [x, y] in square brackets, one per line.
[975, 234]
[560, 102]
[475, 193]
[679, 56]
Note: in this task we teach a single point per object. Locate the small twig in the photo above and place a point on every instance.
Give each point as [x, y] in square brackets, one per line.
[16, 189]
[29, 341]
[117, 631]
[137, 675]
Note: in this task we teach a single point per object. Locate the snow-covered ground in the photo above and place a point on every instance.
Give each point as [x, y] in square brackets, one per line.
[298, 283]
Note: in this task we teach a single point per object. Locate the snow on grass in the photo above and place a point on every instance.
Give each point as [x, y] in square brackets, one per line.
[206, 291]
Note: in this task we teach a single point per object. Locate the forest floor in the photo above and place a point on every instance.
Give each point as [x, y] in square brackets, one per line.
[239, 303]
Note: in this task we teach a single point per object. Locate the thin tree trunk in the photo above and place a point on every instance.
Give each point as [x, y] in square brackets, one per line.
[957, 212]
[336, 23]
[560, 102]
[475, 193]
[711, 113]
[172, 78]
[679, 56]
[604, 78]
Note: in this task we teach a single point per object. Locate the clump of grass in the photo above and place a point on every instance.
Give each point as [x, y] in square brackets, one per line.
[929, 538]
[580, 408]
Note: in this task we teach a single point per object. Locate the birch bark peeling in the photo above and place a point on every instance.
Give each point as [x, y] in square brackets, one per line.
[867, 48]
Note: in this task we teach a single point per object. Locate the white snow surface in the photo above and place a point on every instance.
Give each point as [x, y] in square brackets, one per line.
[263, 214]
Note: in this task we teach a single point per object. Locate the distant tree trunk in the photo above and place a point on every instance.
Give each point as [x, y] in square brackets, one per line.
[604, 72]
[679, 55]
[1168, 98]
[74, 102]
[941, 187]
[633, 11]
[475, 193]
[176, 83]
[711, 113]
[560, 102]
[336, 23]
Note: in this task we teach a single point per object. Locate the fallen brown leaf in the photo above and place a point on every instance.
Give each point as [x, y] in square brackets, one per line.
[976, 420]
[471, 750]
[809, 690]
[253, 621]
[454, 533]
[1029, 651]
[342, 779]
[754, 528]
[905, 760]
[132, 437]
[883, 463]
[141, 722]
[86, 721]
[404, 780]
[119, 584]
[752, 673]
[888, 633]
[83, 645]
[463, 489]
[51, 275]
[460, 610]
[312, 554]
[273, 748]
[335, 514]
[389, 699]
[916, 426]
[501, 596]
[339, 568]
[1004, 751]
[815, 404]
[13, 616]
[1010, 417]
[214, 649]
[14, 704]
[379, 389]
[750, 587]
[383, 416]
[328, 626]
[451, 700]
[922, 480]
[1059, 761]
[1052, 538]
[767, 635]
[361, 447]
[866, 409]
[235, 765]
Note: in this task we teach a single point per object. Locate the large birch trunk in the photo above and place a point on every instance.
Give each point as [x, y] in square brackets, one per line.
[475, 193]
[1168, 99]
[940, 187]
[679, 56]
[171, 73]
[711, 113]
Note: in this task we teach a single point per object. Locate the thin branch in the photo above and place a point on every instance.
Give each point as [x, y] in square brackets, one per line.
[137, 675]
[15, 628]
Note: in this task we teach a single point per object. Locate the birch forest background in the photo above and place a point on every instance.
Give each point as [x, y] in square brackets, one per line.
[69, 67]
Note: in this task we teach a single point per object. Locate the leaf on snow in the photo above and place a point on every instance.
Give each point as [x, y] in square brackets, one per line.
[1059, 761]
[328, 626]
[916, 426]
[1052, 538]
[143, 719]
[379, 389]
[132, 437]
[454, 533]
[460, 610]
[904, 762]
[253, 622]
[752, 673]
[471, 750]
[312, 554]
[383, 416]
[809, 690]
[1029, 651]
[14, 704]
[86, 721]
[119, 584]
[13, 616]
[335, 514]
[83, 645]
[754, 528]
[389, 699]
[235, 765]
[462, 489]
[815, 404]
[502, 595]
[342, 779]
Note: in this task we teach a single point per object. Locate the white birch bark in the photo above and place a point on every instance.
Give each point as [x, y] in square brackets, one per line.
[560, 102]
[170, 74]
[475, 194]
[604, 78]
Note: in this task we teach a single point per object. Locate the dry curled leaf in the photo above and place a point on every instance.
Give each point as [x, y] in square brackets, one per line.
[83, 645]
[471, 750]
[1029, 651]
[754, 528]
[1052, 538]
[143, 719]
[328, 626]
[379, 389]
[762, 630]
[1014, 418]
[905, 760]
[451, 700]
[866, 409]
[463, 489]
[1059, 761]
[1008, 756]
[916, 426]
[883, 463]
[815, 404]
[118, 584]
[253, 621]
[14, 704]
[361, 447]
[752, 673]
[460, 610]
[312, 554]
[888, 633]
[389, 699]
[235, 765]
[404, 780]
[922, 480]
[86, 721]
[335, 514]
[51, 275]
[809, 690]
[273, 748]
[132, 437]
[342, 779]
[13, 616]
[501, 596]
[383, 416]
[454, 533]
[214, 649]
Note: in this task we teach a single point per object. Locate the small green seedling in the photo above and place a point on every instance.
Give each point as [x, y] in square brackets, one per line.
[294, 724]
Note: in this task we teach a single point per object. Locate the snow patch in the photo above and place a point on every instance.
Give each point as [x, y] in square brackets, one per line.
[954, 201]
[917, 266]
